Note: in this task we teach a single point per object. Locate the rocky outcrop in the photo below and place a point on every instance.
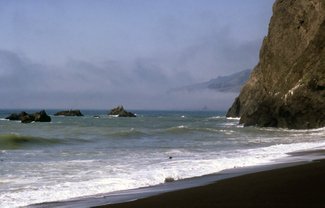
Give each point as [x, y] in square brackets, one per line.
[169, 180]
[120, 112]
[27, 118]
[287, 87]
[69, 113]
[41, 117]
[17, 117]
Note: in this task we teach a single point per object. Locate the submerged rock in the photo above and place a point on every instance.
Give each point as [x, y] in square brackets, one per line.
[287, 87]
[28, 118]
[120, 112]
[169, 179]
[69, 113]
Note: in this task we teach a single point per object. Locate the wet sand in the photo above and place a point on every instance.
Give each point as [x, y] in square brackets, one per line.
[297, 186]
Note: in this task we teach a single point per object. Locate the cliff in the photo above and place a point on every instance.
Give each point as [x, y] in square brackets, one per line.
[287, 87]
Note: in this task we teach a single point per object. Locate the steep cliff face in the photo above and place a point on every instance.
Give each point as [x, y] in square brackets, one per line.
[287, 87]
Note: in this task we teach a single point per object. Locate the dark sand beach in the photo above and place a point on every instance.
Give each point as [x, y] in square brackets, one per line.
[297, 186]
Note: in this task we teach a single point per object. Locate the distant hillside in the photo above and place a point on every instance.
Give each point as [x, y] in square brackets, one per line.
[230, 83]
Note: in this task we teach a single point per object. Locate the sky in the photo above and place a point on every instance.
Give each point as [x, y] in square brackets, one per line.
[96, 54]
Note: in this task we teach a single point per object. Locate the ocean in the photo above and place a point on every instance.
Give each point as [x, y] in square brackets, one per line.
[73, 157]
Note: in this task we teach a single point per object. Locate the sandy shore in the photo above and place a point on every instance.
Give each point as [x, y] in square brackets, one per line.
[298, 186]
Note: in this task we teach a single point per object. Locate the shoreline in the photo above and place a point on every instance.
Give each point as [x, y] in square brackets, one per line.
[300, 185]
[151, 196]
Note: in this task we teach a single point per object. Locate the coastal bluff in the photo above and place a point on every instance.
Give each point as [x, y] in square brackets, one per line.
[287, 87]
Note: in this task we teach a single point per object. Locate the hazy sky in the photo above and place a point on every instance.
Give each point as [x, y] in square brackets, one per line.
[102, 53]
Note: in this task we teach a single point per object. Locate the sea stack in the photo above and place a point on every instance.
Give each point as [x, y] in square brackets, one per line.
[119, 111]
[287, 87]
[28, 118]
[69, 113]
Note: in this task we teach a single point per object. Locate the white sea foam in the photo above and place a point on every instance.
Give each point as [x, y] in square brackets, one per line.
[317, 130]
[105, 179]
[233, 118]
[216, 117]
[113, 116]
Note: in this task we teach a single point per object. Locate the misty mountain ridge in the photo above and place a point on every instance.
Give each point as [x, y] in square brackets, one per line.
[230, 83]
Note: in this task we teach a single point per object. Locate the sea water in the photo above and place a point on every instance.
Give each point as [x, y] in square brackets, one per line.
[82, 156]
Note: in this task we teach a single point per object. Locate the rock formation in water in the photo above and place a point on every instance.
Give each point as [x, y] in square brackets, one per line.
[41, 117]
[287, 87]
[27, 118]
[16, 117]
[120, 112]
[69, 113]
